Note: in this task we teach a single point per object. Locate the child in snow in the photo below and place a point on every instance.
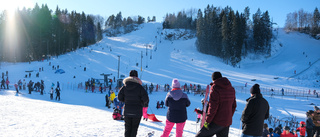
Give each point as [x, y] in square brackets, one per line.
[116, 114]
[302, 129]
[51, 93]
[198, 114]
[107, 101]
[16, 86]
[286, 132]
[177, 103]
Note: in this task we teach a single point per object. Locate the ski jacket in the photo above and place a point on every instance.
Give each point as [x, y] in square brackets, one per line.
[222, 103]
[134, 97]
[7, 82]
[118, 103]
[254, 114]
[316, 118]
[177, 103]
[284, 134]
[112, 96]
[302, 131]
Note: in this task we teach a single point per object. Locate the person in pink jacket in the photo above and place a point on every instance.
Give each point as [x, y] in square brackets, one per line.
[7, 82]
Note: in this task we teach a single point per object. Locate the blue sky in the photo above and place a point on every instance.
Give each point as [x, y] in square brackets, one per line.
[278, 9]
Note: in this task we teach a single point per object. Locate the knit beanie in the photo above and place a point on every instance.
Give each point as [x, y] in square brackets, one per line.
[175, 83]
[216, 75]
[255, 89]
[133, 73]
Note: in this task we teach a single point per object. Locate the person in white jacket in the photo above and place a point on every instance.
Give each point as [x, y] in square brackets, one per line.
[51, 93]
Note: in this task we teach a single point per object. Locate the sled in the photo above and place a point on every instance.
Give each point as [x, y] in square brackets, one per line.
[153, 118]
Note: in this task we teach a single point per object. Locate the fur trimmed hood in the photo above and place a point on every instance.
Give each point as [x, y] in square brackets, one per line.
[132, 79]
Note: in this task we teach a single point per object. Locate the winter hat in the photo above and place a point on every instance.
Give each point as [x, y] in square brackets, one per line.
[316, 108]
[255, 89]
[175, 83]
[216, 75]
[133, 73]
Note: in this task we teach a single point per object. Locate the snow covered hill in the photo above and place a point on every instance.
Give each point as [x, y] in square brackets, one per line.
[84, 114]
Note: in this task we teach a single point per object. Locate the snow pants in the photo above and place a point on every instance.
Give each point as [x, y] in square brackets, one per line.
[131, 126]
[214, 129]
[169, 126]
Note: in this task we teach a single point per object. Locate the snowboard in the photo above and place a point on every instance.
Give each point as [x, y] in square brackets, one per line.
[204, 115]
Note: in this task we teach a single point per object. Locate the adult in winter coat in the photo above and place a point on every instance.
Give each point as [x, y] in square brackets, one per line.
[134, 97]
[316, 121]
[222, 105]
[3, 83]
[309, 123]
[177, 103]
[254, 113]
[58, 93]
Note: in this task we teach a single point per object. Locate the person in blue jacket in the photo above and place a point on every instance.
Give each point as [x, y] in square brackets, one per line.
[118, 104]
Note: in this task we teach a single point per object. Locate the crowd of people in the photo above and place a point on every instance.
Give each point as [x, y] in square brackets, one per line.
[132, 103]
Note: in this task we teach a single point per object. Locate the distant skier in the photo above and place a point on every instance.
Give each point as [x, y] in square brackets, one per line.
[107, 101]
[41, 87]
[51, 93]
[7, 82]
[58, 93]
[3, 83]
[16, 86]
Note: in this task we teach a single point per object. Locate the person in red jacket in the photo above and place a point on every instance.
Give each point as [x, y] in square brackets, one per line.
[302, 129]
[222, 105]
[286, 132]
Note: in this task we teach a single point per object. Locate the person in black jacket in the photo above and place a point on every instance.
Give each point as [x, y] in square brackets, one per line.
[135, 97]
[309, 123]
[254, 114]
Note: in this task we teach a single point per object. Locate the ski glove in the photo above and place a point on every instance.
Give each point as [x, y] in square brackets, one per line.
[206, 125]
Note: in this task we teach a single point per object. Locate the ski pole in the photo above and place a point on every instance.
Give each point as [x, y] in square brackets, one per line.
[240, 128]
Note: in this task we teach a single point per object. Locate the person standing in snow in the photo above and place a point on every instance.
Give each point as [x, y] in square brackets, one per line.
[107, 101]
[3, 83]
[254, 113]
[316, 121]
[58, 93]
[7, 82]
[302, 129]
[41, 87]
[51, 93]
[222, 105]
[309, 123]
[16, 86]
[134, 96]
[177, 103]
[24, 83]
